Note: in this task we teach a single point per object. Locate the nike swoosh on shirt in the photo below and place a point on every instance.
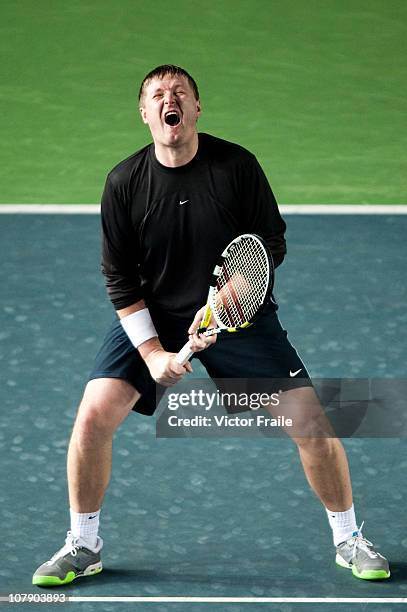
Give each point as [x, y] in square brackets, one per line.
[292, 374]
[181, 202]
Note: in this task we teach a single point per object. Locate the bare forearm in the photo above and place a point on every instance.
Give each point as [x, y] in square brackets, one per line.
[150, 347]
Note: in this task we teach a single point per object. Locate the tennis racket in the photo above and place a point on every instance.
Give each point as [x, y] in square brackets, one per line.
[241, 281]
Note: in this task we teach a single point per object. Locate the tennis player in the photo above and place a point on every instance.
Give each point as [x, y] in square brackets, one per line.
[167, 213]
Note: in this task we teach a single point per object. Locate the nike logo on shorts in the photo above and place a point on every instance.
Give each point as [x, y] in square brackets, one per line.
[181, 202]
[292, 374]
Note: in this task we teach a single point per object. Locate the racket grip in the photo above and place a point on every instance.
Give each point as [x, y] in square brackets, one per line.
[184, 355]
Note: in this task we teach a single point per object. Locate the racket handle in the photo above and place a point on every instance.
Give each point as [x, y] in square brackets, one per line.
[184, 355]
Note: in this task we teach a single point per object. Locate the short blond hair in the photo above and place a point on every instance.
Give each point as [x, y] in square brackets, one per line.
[164, 70]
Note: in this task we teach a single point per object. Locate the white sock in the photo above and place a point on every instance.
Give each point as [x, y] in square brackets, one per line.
[343, 524]
[85, 526]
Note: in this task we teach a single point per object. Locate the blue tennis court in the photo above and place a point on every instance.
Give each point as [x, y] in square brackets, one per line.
[199, 518]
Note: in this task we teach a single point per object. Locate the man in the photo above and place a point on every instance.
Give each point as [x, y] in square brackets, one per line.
[158, 256]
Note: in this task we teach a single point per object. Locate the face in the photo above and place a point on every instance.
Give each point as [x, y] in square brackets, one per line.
[169, 108]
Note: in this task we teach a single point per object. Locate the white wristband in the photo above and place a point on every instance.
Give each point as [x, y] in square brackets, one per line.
[139, 327]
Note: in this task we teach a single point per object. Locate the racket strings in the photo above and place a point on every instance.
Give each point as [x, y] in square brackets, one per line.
[242, 283]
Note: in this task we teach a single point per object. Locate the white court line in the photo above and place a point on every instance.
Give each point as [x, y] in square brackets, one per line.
[343, 209]
[223, 600]
[286, 209]
[299, 600]
[244, 599]
[54, 209]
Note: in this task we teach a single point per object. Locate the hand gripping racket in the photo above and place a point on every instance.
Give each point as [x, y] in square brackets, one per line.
[241, 281]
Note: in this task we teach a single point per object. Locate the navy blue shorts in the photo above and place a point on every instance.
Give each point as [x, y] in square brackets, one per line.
[262, 351]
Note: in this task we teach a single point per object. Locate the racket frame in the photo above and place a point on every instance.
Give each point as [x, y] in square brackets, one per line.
[213, 291]
[185, 353]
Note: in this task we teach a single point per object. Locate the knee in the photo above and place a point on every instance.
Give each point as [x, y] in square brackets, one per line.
[92, 424]
[105, 404]
[321, 447]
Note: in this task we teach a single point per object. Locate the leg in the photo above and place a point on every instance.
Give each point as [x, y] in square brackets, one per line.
[105, 404]
[322, 455]
[264, 352]
[326, 469]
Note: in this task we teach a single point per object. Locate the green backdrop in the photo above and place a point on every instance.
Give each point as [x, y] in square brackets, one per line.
[315, 88]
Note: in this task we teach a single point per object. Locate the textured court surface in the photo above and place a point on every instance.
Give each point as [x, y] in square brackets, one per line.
[197, 517]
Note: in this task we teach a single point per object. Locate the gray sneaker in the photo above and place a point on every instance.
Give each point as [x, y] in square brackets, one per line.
[70, 562]
[359, 555]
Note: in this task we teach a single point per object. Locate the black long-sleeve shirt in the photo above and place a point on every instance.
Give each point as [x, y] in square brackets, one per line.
[164, 228]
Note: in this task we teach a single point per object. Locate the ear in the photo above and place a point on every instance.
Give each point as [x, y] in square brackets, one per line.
[143, 114]
[198, 108]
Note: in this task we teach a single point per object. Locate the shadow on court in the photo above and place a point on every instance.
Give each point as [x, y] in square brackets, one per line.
[203, 576]
[198, 517]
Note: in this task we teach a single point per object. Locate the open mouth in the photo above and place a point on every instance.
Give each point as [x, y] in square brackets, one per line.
[172, 118]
